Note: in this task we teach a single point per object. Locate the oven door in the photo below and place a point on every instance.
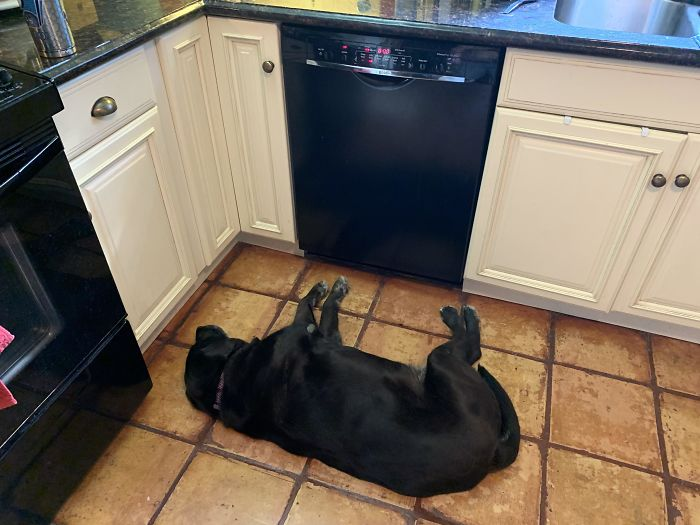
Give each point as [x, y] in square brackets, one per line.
[57, 295]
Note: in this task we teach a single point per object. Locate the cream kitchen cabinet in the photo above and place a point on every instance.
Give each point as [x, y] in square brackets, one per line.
[563, 204]
[249, 79]
[579, 211]
[663, 282]
[131, 179]
[188, 70]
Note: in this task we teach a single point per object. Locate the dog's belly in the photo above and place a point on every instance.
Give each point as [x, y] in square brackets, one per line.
[415, 463]
[392, 432]
[377, 420]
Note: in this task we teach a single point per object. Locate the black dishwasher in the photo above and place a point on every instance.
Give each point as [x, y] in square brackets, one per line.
[388, 138]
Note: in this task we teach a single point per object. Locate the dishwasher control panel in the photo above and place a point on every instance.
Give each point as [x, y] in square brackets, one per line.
[390, 56]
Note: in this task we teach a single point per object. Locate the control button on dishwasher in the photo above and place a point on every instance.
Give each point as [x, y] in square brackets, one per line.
[5, 78]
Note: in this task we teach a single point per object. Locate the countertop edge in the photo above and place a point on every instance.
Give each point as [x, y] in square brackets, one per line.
[459, 34]
[88, 60]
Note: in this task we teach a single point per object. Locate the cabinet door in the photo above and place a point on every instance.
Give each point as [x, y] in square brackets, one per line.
[563, 204]
[254, 119]
[125, 183]
[664, 280]
[188, 69]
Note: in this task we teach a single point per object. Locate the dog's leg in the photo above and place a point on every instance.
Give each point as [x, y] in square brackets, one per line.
[305, 310]
[466, 336]
[329, 313]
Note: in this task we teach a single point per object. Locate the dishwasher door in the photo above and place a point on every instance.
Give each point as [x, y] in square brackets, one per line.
[386, 168]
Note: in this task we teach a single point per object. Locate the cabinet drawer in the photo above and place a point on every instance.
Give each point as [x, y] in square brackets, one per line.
[621, 91]
[127, 80]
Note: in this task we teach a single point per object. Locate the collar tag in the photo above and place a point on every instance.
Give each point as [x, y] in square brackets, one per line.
[219, 393]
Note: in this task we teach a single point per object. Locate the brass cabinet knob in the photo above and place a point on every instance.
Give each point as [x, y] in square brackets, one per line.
[103, 106]
[268, 66]
[658, 181]
[682, 181]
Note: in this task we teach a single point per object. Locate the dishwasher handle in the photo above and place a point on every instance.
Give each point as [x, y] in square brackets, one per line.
[385, 72]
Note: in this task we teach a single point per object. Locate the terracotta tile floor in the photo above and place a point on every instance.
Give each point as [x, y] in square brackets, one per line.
[610, 417]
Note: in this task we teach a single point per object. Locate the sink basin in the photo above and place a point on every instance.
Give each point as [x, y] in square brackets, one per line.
[657, 17]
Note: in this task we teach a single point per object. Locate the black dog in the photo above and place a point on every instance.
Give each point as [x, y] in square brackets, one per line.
[419, 433]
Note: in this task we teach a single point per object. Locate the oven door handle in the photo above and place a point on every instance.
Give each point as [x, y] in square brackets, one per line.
[385, 72]
[38, 158]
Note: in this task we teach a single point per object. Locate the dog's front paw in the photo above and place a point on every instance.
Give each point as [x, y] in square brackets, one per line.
[341, 286]
[322, 288]
[471, 318]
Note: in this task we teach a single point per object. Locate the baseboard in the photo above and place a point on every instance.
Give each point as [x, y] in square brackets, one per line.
[628, 321]
[266, 242]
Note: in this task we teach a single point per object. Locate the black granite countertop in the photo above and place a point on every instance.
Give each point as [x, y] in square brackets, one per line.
[104, 28]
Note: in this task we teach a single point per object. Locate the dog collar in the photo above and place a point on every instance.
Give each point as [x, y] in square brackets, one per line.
[219, 393]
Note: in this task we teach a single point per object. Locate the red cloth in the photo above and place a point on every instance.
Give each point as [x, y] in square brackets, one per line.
[6, 397]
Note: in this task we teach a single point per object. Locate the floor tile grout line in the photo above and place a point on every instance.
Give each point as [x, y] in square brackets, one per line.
[437, 517]
[537, 359]
[663, 390]
[367, 318]
[605, 459]
[160, 432]
[240, 288]
[546, 430]
[407, 512]
[298, 482]
[284, 301]
[583, 452]
[306, 269]
[211, 448]
[173, 485]
[666, 474]
[684, 482]
[278, 312]
[602, 374]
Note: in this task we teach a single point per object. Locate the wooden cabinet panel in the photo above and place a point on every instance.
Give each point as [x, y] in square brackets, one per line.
[254, 119]
[125, 183]
[664, 281]
[188, 69]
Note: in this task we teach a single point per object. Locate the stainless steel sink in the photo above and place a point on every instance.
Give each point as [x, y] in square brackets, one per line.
[658, 17]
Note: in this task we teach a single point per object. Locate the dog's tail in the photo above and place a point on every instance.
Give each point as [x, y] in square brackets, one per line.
[509, 441]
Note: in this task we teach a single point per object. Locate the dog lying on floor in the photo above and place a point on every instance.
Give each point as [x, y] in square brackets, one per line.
[416, 432]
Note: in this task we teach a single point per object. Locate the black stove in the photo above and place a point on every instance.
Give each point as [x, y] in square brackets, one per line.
[73, 344]
[25, 101]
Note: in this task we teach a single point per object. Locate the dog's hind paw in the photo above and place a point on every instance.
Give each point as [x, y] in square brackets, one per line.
[450, 316]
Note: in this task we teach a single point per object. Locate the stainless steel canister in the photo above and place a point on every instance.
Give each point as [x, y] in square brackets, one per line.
[49, 27]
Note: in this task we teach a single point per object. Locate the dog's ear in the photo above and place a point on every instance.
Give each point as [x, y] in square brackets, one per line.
[209, 332]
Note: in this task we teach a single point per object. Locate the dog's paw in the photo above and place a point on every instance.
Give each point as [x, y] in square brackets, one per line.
[321, 288]
[450, 316]
[471, 318]
[341, 286]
